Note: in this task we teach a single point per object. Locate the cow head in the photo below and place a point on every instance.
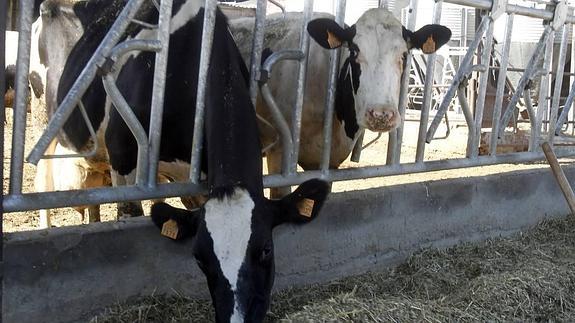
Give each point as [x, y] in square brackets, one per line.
[370, 77]
[233, 243]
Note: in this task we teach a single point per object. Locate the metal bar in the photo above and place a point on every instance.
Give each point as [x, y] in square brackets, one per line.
[157, 105]
[397, 140]
[84, 79]
[567, 107]
[34, 201]
[558, 85]
[426, 106]
[207, 41]
[473, 149]
[133, 124]
[3, 22]
[21, 96]
[465, 107]
[511, 8]
[502, 78]
[257, 48]
[301, 81]
[334, 57]
[278, 117]
[560, 176]
[356, 152]
[532, 120]
[544, 105]
[462, 73]
[531, 67]
[282, 127]
[412, 168]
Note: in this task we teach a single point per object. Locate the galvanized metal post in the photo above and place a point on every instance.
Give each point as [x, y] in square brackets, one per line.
[331, 88]
[21, 96]
[3, 14]
[301, 81]
[500, 91]
[257, 48]
[207, 41]
[157, 105]
[396, 136]
[558, 85]
[429, 76]
[544, 104]
[475, 135]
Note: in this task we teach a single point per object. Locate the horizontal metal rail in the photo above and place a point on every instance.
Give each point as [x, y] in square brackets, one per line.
[34, 201]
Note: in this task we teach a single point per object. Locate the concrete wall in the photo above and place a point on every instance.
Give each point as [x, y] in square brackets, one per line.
[67, 274]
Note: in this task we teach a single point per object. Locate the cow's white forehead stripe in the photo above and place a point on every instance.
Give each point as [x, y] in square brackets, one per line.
[229, 223]
[186, 12]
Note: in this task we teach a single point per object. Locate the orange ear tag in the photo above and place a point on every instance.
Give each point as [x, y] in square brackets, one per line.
[332, 40]
[305, 207]
[170, 229]
[429, 45]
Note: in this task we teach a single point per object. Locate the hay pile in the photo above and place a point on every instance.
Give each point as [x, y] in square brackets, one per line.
[528, 277]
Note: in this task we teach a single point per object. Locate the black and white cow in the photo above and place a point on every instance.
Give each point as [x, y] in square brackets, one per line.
[233, 230]
[367, 94]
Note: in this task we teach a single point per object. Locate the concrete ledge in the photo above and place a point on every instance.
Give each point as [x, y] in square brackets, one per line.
[67, 274]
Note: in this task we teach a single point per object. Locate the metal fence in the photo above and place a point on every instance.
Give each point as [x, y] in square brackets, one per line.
[146, 187]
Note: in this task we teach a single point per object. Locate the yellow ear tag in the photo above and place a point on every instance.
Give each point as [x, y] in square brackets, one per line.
[170, 229]
[332, 40]
[305, 207]
[429, 45]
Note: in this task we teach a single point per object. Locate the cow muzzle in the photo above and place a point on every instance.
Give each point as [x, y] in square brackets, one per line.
[382, 119]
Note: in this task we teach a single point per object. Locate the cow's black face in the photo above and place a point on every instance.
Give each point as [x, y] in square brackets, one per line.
[234, 246]
[370, 79]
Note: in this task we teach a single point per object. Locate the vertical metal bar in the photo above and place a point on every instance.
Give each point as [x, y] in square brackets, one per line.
[21, 96]
[532, 120]
[161, 64]
[558, 85]
[544, 104]
[257, 48]
[207, 41]
[572, 77]
[472, 150]
[463, 42]
[568, 104]
[331, 87]
[501, 84]
[3, 14]
[302, 70]
[396, 136]
[426, 106]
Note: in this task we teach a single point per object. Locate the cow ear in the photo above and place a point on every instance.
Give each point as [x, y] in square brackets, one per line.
[175, 223]
[428, 38]
[329, 34]
[304, 204]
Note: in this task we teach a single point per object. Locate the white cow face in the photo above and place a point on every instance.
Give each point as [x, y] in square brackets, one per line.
[233, 243]
[370, 78]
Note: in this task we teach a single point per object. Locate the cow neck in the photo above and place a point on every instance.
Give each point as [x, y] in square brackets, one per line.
[231, 136]
[346, 90]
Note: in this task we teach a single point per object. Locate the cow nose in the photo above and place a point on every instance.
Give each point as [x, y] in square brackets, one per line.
[386, 113]
[382, 118]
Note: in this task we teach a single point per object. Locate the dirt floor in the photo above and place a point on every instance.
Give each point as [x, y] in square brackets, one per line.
[528, 277]
[452, 147]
